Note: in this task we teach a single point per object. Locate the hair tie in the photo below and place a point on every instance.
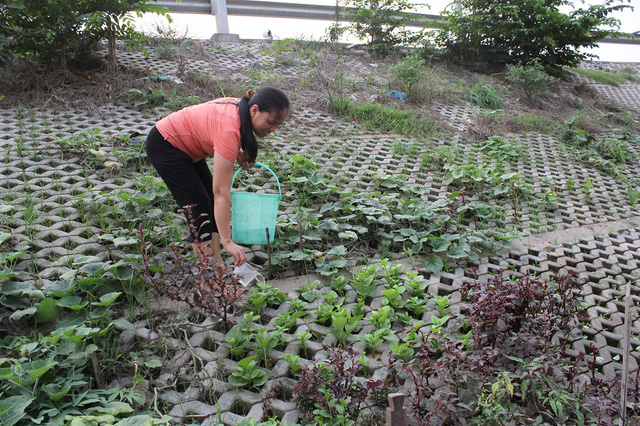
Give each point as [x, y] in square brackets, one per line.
[249, 93]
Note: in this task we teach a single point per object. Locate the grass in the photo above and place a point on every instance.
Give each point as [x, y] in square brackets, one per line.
[390, 120]
[607, 77]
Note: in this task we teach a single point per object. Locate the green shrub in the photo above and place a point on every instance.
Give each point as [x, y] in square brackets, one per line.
[410, 70]
[382, 24]
[519, 31]
[486, 96]
[614, 149]
[56, 32]
[531, 78]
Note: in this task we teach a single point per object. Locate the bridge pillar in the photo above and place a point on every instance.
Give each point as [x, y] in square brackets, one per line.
[219, 8]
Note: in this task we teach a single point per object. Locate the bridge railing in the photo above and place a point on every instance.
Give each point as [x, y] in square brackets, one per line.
[271, 9]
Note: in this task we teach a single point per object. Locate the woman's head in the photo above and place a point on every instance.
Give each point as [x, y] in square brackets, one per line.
[261, 113]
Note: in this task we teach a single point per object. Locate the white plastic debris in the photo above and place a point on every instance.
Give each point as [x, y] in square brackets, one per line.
[247, 274]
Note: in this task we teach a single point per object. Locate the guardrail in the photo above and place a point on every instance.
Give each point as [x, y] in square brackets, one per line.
[269, 9]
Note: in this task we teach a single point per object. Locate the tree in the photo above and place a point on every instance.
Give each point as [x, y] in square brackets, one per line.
[46, 31]
[114, 21]
[521, 31]
[54, 32]
[382, 23]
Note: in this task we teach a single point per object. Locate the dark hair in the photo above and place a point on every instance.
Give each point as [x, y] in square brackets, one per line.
[268, 99]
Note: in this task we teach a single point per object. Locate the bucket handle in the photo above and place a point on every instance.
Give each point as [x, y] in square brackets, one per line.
[262, 165]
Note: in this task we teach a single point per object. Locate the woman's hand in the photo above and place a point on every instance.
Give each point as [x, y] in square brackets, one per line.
[237, 252]
[243, 160]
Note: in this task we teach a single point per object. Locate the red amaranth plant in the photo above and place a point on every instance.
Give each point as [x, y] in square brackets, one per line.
[516, 332]
[539, 310]
[327, 384]
[201, 283]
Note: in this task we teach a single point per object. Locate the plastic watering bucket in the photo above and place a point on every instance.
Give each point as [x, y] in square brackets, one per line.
[253, 213]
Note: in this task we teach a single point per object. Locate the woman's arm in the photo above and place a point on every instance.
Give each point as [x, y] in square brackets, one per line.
[222, 177]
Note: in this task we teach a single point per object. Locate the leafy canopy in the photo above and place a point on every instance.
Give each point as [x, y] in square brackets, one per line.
[521, 31]
[382, 23]
[56, 32]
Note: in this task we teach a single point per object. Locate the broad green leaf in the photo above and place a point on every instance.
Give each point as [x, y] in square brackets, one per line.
[18, 315]
[153, 363]
[460, 250]
[123, 324]
[236, 380]
[499, 190]
[125, 241]
[434, 264]
[6, 373]
[326, 207]
[439, 245]
[339, 322]
[115, 408]
[326, 270]
[416, 248]
[14, 288]
[107, 299]
[75, 319]
[8, 273]
[338, 263]
[510, 176]
[122, 272]
[104, 419]
[54, 339]
[47, 311]
[75, 303]
[13, 409]
[11, 256]
[39, 368]
[81, 260]
[92, 269]
[348, 235]
[59, 288]
[338, 251]
[83, 355]
[312, 236]
[4, 236]
[299, 255]
[56, 392]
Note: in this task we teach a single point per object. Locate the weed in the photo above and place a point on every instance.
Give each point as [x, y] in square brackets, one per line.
[486, 95]
[410, 70]
[149, 98]
[570, 184]
[531, 78]
[248, 374]
[587, 188]
[329, 389]
[387, 119]
[634, 195]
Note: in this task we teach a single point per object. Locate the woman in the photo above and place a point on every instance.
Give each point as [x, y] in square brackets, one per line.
[226, 130]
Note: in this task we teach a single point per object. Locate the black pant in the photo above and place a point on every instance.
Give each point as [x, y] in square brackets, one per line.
[191, 184]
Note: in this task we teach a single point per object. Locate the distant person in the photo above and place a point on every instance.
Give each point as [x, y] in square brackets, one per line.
[226, 130]
[268, 34]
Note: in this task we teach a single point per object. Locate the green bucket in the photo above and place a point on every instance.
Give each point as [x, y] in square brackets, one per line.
[253, 213]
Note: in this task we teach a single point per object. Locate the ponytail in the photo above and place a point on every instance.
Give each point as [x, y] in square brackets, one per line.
[248, 139]
[268, 99]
